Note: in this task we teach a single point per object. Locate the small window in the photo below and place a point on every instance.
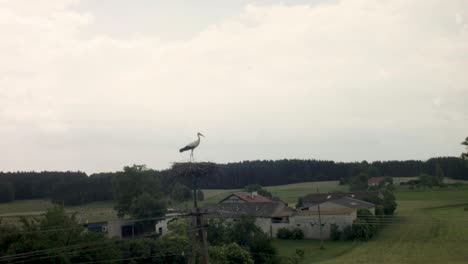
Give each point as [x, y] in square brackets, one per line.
[298, 224]
[160, 230]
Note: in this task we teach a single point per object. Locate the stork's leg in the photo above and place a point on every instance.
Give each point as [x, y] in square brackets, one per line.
[191, 155]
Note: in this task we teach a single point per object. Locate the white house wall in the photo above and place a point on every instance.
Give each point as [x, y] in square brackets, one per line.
[309, 224]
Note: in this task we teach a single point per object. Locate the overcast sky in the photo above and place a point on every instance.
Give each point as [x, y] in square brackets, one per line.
[96, 85]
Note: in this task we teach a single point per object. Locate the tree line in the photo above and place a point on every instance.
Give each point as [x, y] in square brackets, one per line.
[73, 188]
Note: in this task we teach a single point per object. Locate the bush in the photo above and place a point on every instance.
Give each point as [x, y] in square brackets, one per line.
[348, 233]
[361, 230]
[335, 233]
[295, 234]
[283, 233]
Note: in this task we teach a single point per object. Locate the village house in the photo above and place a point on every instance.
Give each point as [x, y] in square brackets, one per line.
[314, 198]
[271, 215]
[340, 204]
[375, 181]
[128, 228]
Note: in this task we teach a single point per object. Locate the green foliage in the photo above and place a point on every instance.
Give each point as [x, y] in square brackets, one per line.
[181, 192]
[55, 230]
[389, 202]
[426, 180]
[7, 192]
[361, 230]
[200, 195]
[359, 182]
[373, 171]
[439, 174]
[245, 233]
[283, 233]
[257, 188]
[465, 155]
[300, 202]
[335, 233]
[145, 206]
[229, 254]
[218, 231]
[137, 193]
[172, 247]
[297, 234]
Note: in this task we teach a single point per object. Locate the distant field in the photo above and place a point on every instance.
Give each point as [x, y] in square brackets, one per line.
[291, 192]
[92, 212]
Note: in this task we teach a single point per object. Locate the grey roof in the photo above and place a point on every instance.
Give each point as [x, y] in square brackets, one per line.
[353, 203]
[273, 209]
[314, 198]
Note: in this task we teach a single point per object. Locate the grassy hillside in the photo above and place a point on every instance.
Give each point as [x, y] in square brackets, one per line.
[92, 212]
[434, 230]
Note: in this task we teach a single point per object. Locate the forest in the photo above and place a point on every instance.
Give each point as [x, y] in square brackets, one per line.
[74, 188]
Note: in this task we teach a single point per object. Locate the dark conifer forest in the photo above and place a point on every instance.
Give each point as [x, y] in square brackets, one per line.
[73, 188]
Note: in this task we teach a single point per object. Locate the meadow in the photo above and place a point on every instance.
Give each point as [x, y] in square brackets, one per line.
[431, 226]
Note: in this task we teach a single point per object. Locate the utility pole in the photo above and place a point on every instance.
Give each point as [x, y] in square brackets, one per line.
[320, 224]
[198, 224]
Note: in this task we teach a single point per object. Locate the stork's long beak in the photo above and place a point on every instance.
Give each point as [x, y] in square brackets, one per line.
[201, 134]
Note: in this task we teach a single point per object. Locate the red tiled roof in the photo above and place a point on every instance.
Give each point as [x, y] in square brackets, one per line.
[376, 180]
[249, 198]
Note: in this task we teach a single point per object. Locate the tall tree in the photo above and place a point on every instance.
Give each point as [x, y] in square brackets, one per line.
[138, 194]
[465, 143]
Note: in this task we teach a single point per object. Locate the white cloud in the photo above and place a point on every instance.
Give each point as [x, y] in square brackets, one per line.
[347, 81]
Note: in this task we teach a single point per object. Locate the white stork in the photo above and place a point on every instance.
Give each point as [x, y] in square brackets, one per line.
[192, 146]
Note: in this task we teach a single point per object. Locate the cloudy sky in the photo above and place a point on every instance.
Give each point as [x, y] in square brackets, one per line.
[96, 85]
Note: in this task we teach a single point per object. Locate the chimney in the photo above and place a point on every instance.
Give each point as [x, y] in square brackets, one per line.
[254, 194]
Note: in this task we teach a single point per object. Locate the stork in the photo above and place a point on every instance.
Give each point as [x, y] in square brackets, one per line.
[192, 146]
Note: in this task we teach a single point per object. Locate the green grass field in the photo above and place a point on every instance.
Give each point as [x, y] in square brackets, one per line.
[435, 229]
[92, 212]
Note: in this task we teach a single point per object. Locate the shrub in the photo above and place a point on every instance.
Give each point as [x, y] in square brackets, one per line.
[348, 233]
[362, 230]
[283, 233]
[297, 234]
[335, 233]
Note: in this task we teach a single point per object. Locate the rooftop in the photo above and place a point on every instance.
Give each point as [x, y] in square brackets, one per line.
[250, 197]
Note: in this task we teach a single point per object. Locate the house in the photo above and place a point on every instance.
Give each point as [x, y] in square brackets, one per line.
[314, 198]
[269, 217]
[244, 197]
[340, 204]
[375, 181]
[115, 228]
[309, 222]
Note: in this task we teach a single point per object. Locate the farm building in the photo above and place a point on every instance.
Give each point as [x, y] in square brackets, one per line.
[314, 198]
[272, 215]
[375, 181]
[340, 204]
[245, 197]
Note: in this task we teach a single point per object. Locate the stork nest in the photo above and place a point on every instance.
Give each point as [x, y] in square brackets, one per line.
[198, 169]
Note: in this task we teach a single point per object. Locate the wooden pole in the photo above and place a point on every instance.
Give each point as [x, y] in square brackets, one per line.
[202, 236]
[320, 223]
